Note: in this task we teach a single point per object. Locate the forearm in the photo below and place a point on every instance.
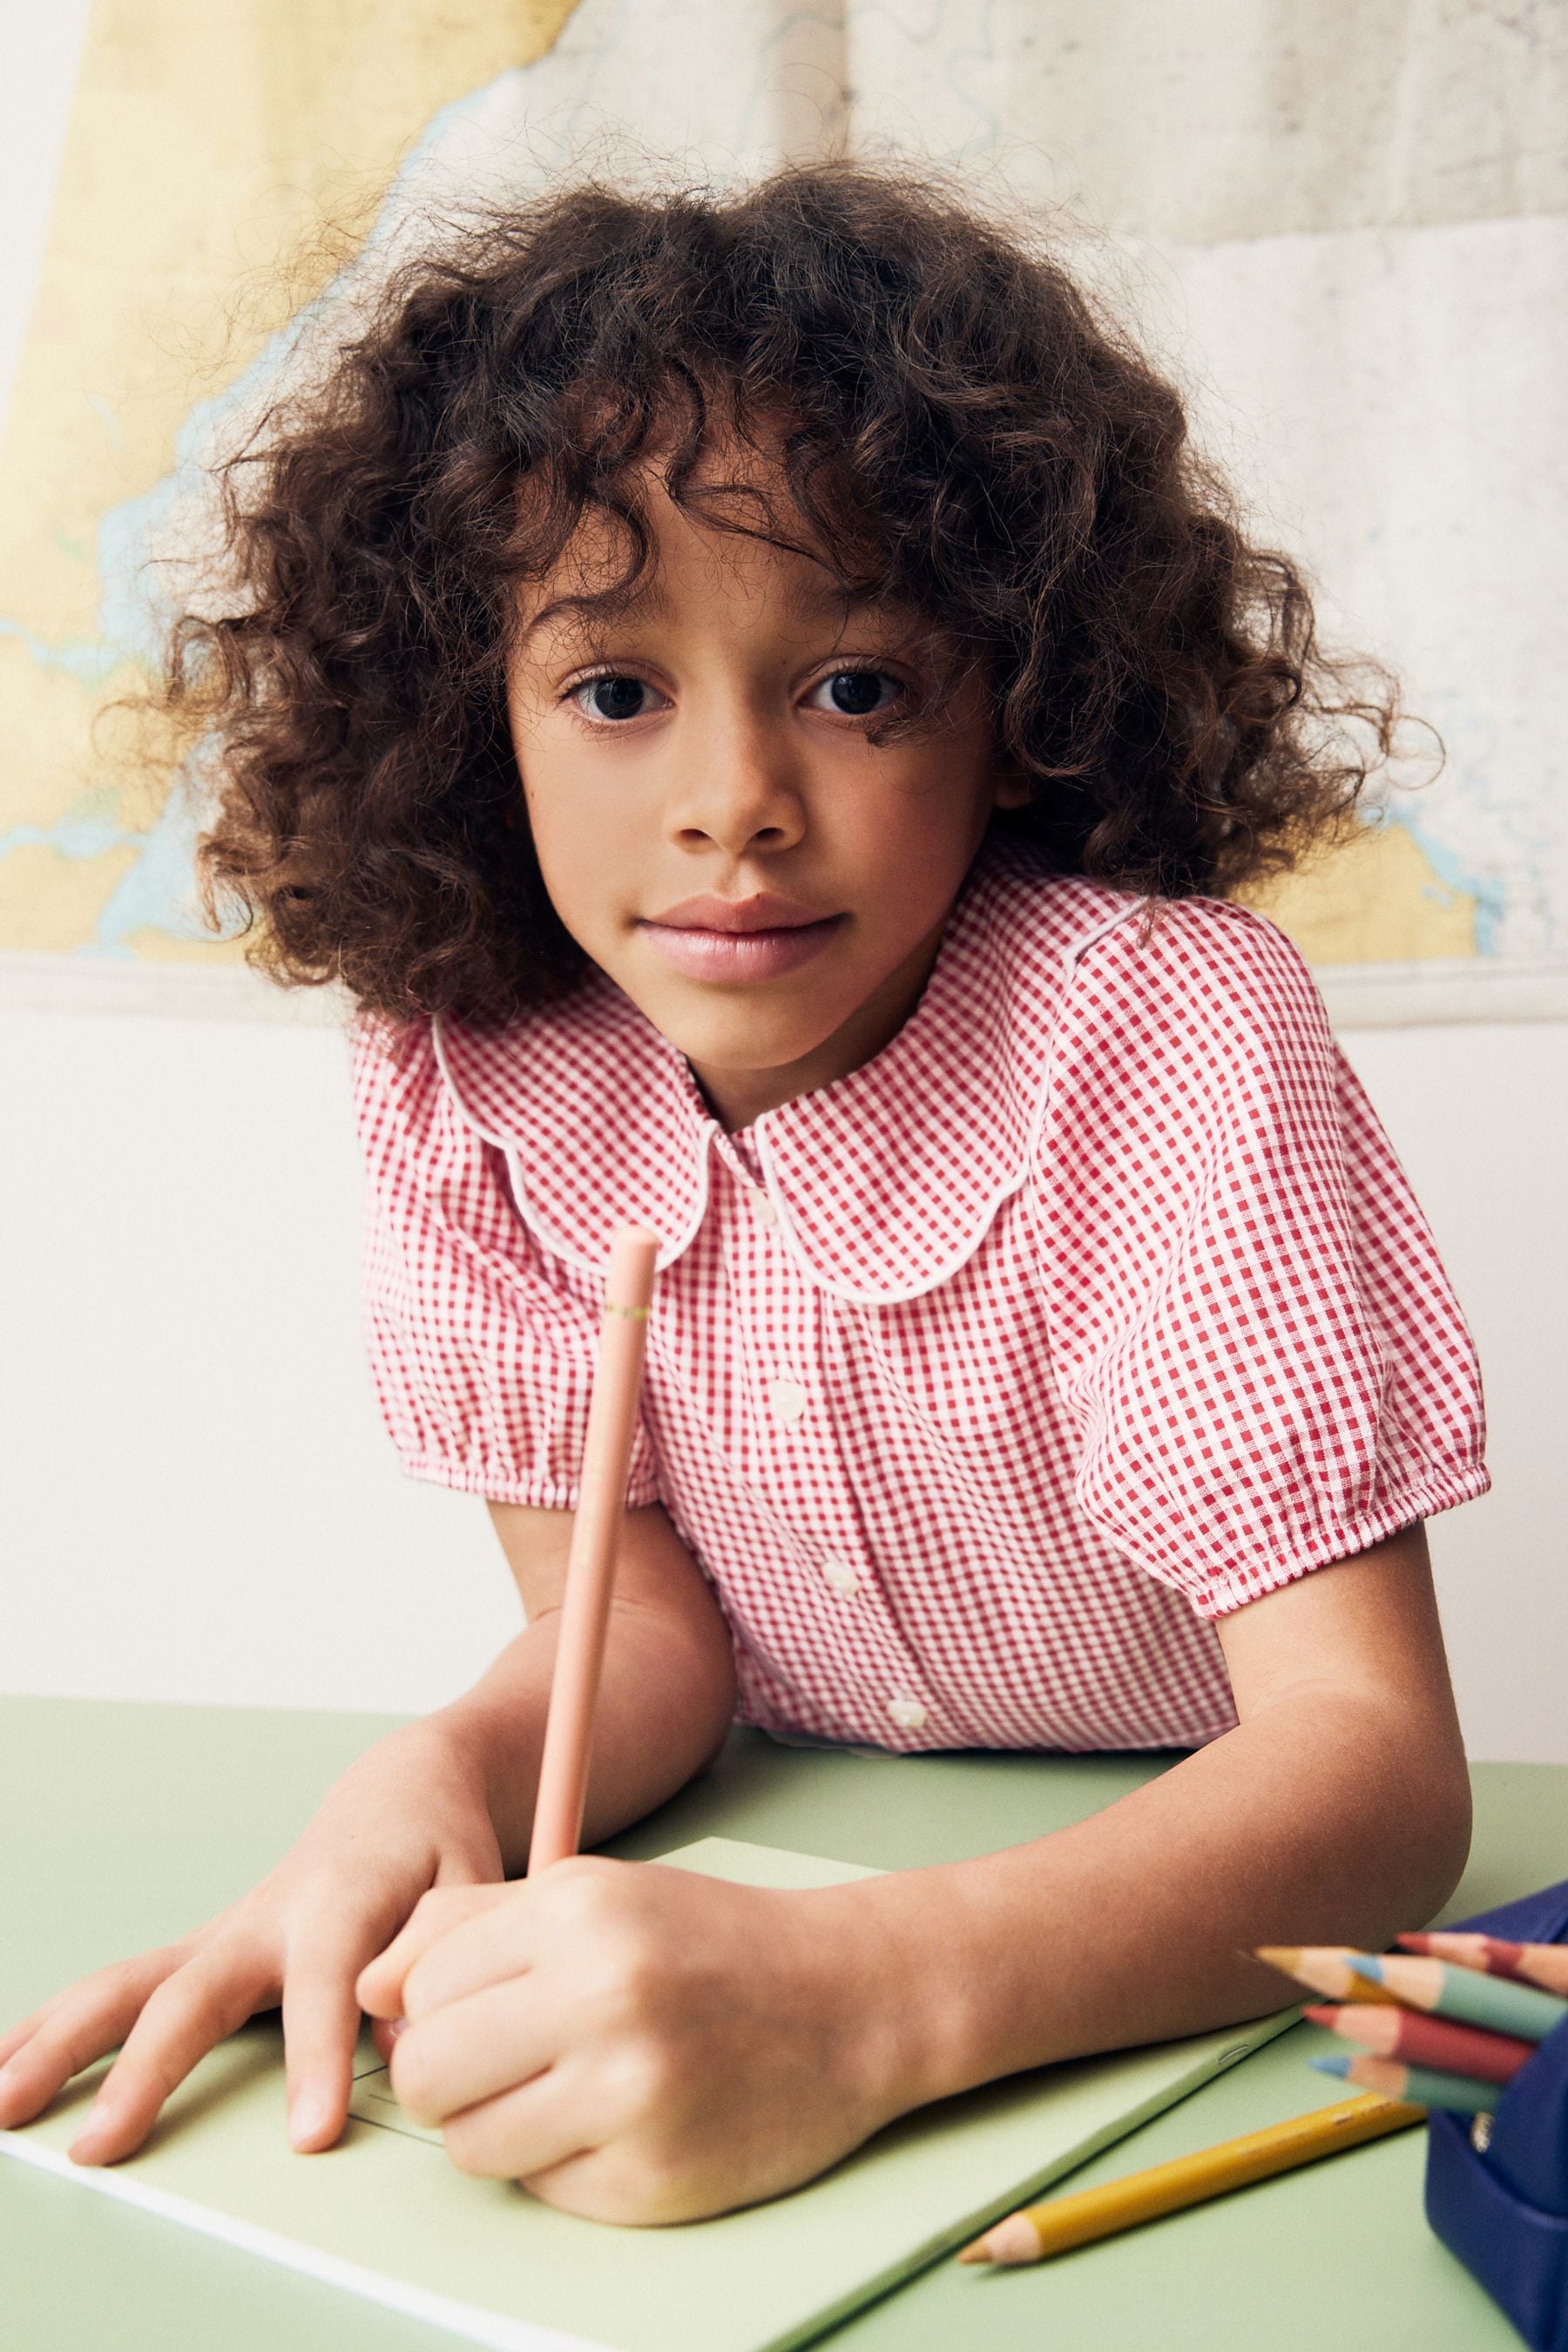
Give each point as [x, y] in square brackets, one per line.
[1319, 1820]
[665, 1705]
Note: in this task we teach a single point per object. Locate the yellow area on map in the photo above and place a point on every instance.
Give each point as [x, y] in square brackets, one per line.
[50, 902]
[1375, 899]
[208, 148]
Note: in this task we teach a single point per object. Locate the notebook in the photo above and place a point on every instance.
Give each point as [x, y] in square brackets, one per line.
[385, 2216]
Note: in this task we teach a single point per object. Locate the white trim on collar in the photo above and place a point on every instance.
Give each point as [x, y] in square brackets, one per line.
[885, 1183]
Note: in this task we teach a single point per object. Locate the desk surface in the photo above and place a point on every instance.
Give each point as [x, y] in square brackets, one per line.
[120, 1826]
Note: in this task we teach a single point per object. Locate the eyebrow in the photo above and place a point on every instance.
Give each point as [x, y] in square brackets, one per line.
[651, 603]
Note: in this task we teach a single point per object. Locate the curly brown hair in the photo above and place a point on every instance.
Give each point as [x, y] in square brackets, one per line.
[1008, 463]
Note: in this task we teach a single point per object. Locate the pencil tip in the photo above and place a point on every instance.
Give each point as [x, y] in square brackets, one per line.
[975, 2253]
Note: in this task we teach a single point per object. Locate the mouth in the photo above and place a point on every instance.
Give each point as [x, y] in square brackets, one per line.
[738, 939]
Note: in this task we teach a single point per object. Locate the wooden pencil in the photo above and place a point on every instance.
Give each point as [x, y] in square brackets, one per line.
[1461, 2094]
[591, 1561]
[1544, 1965]
[1063, 2222]
[1422, 2040]
[1325, 1968]
[1462, 1993]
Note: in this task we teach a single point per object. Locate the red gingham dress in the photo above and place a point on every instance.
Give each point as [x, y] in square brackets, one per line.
[979, 1381]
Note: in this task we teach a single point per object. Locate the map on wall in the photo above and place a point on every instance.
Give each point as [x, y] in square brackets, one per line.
[1378, 370]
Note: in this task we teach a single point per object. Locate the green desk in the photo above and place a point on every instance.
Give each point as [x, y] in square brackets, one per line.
[121, 1826]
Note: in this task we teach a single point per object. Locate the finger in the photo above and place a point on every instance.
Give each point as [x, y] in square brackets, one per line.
[18, 2035]
[76, 2028]
[527, 2130]
[474, 2049]
[197, 2007]
[495, 1944]
[320, 2033]
[380, 1984]
[383, 2034]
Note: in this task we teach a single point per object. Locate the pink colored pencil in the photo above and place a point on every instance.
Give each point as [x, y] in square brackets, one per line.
[1545, 1964]
[591, 1562]
[1422, 2040]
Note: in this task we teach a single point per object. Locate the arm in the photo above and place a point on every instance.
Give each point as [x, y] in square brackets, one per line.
[668, 1688]
[640, 2044]
[1337, 1810]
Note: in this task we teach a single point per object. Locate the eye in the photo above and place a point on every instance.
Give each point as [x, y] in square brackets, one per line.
[612, 695]
[858, 693]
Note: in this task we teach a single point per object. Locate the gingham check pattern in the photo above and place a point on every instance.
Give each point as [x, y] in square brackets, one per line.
[980, 1382]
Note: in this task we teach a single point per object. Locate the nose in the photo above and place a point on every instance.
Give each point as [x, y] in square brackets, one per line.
[735, 786]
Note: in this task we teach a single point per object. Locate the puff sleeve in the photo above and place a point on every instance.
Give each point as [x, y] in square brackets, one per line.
[482, 1346]
[1248, 1316]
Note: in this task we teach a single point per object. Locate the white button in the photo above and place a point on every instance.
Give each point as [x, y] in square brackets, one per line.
[842, 1577]
[906, 1713]
[764, 1209]
[787, 1398]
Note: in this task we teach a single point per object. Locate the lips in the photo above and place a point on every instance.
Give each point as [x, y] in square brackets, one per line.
[737, 939]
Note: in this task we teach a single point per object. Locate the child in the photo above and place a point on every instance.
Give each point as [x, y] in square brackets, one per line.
[761, 710]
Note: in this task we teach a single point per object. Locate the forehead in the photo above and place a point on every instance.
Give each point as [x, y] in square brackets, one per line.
[732, 528]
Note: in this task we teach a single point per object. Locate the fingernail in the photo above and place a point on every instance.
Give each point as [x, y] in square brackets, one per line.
[95, 2128]
[396, 2025]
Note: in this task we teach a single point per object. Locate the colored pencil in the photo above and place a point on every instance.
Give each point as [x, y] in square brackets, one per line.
[1325, 1968]
[1422, 2040]
[1074, 2220]
[1424, 2085]
[1460, 1993]
[590, 1560]
[1545, 1964]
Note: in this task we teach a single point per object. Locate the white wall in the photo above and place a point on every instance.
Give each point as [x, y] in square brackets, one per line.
[198, 1501]
[1479, 1116]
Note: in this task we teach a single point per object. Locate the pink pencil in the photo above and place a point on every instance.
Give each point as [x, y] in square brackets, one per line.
[590, 1563]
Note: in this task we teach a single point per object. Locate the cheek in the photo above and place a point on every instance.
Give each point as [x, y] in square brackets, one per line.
[589, 851]
[911, 835]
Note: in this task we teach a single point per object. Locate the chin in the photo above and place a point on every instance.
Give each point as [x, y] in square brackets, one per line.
[739, 1037]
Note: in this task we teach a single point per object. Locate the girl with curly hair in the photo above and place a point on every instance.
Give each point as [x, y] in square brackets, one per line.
[759, 705]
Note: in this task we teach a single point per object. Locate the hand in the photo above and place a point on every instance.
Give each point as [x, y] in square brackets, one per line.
[408, 1815]
[637, 2043]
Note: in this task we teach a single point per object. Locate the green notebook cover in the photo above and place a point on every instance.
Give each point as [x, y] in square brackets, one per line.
[385, 2216]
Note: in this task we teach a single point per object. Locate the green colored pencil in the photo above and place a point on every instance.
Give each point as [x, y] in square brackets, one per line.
[1475, 1999]
[1417, 2087]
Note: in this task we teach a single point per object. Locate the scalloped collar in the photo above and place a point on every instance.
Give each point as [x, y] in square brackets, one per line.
[884, 1183]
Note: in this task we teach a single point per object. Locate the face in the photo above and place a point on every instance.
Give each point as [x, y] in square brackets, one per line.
[713, 825]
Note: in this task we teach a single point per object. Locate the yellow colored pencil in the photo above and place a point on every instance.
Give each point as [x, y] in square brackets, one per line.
[1064, 2223]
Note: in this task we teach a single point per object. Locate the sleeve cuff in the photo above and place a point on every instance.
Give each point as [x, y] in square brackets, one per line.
[1251, 1579]
[498, 1484]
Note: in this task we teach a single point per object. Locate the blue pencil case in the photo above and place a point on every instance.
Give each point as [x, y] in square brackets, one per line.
[1503, 2207]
